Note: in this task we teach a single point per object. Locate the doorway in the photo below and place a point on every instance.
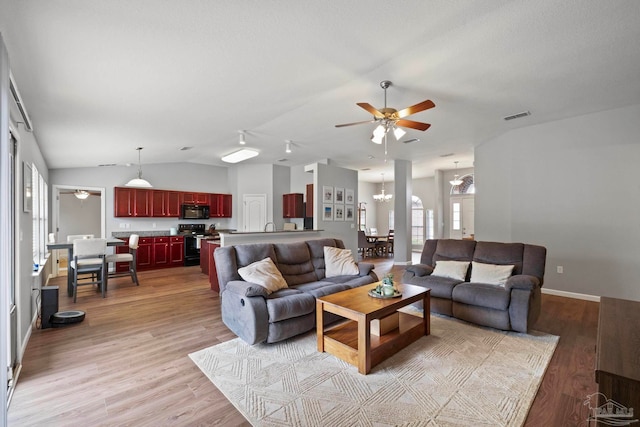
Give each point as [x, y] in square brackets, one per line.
[73, 215]
[462, 217]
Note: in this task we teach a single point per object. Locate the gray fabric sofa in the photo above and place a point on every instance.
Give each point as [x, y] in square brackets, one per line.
[257, 317]
[514, 306]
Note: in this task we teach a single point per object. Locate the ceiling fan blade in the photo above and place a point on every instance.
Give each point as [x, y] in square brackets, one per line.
[370, 108]
[355, 123]
[413, 125]
[424, 105]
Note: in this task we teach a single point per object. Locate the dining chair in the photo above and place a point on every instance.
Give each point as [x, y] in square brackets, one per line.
[130, 257]
[364, 244]
[89, 257]
[390, 242]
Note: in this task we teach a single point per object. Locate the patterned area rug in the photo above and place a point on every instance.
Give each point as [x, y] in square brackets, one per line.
[459, 375]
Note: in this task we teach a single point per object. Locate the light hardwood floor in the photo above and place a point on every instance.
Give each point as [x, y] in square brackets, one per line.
[127, 363]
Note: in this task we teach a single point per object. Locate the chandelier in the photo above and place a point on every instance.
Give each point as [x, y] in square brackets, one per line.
[456, 178]
[382, 197]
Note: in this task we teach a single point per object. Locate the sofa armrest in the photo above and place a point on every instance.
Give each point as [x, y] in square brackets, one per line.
[419, 269]
[522, 281]
[246, 289]
[365, 268]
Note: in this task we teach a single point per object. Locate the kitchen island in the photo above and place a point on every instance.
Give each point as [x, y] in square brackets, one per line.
[244, 237]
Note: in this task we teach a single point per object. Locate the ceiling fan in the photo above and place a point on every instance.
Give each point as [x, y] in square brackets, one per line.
[82, 194]
[392, 119]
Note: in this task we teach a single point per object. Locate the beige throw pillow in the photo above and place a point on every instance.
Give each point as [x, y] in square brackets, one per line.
[491, 274]
[451, 269]
[339, 262]
[263, 273]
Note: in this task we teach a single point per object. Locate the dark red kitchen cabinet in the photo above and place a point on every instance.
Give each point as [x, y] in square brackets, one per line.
[176, 251]
[293, 205]
[220, 205]
[134, 202]
[160, 252]
[145, 253]
[195, 198]
[172, 199]
[158, 203]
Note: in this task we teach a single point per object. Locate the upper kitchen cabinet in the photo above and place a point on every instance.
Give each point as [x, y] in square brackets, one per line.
[220, 205]
[293, 205]
[195, 198]
[309, 205]
[165, 203]
[132, 202]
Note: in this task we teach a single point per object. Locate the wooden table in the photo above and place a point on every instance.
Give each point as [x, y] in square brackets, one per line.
[352, 341]
[618, 351]
[111, 241]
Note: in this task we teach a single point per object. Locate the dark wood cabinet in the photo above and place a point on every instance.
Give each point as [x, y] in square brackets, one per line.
[211, 267]
[292, 205]
[309, 204]
[160, 252]
[220, 205]
[141, 202]
[176, 251]
[145, 253]
[132, 202]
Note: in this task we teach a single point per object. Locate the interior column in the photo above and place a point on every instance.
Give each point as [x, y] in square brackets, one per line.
[402, 192]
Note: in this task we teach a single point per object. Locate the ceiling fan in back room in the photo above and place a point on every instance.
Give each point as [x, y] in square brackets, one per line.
[390, 119]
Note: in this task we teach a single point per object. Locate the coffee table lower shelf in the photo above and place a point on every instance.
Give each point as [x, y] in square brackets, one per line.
[342, 340]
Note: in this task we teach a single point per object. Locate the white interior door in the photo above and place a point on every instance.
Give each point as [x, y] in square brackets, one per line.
[255, 212]
[462, 217]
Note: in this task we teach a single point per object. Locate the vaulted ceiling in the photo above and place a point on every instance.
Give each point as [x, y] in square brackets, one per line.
[100, 78]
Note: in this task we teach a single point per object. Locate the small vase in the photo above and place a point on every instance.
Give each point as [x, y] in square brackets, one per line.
[387, 290]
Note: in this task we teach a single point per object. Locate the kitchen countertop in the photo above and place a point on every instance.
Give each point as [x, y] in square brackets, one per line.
[267, 232]
[159, 233]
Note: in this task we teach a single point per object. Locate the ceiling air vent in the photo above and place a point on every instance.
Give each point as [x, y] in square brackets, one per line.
[518, 115]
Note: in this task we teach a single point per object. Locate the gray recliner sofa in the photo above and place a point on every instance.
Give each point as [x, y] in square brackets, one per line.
[257, 317]
[514, 306]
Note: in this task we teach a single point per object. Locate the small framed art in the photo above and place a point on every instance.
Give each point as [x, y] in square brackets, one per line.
[327, 212]
[338, 213]
[349, 196]
[327, 194]
[339, 195]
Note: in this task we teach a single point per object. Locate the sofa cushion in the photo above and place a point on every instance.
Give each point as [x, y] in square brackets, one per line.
[323, 288]
[339, 262]
[248, 254]
[441, 287]
[500, 253]
[316, 247]
[482, 295]
[288, 303]
[294, 262]
[451, 269]
[491, 274]
[263, 273]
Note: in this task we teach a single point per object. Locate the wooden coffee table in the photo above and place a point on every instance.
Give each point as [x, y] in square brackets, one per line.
[352, 341]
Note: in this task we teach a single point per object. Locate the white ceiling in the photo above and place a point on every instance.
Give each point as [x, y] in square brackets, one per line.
[100, 78]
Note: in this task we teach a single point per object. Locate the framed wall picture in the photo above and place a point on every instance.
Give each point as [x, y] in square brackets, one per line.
[327, 194]
[338, 212]
[327, 212]
[27, 187]
[349, 213]
[349, 196]
[339, 195]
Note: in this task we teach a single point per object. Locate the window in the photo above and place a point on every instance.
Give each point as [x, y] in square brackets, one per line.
[455, 216]
[430, 228]
[40, 217]
[467, 186]
[417, 222]
[391, 220]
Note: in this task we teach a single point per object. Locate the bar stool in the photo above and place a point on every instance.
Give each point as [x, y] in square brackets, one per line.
[130, 257]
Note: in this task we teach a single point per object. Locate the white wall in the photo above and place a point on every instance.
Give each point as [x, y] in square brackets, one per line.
[570, 186]
[79, 216]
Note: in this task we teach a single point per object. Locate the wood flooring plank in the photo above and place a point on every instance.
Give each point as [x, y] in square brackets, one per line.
[127, 363]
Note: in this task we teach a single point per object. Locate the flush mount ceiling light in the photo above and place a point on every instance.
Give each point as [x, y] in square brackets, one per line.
[287, 146]
[382, 197]
[81, 194]
[240, 155]
[456, 178]
[139, 182]
[241, 140]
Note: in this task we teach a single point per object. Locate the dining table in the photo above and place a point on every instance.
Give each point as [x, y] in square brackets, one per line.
[111, 241]
[379, 240]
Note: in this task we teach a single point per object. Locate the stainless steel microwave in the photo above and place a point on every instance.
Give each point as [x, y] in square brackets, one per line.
[194, 212]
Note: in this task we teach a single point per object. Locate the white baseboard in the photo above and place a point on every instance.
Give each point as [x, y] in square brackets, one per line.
[574, 295]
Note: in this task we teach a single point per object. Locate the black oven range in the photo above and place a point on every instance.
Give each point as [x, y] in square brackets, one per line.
[191, 232]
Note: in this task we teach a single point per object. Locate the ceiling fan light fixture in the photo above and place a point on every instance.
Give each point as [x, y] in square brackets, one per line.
[239, 155]
[398, 132]
[81, 194]
[139, 182]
